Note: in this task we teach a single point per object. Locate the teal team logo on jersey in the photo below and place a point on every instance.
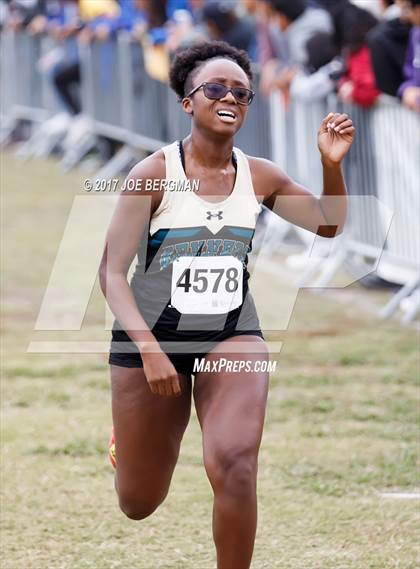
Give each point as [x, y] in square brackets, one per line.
[204, 248]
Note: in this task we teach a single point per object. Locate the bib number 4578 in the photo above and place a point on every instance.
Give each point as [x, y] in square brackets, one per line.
[206, 285]
[231, 282]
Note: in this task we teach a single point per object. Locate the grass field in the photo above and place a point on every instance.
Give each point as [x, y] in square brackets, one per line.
[341, 427]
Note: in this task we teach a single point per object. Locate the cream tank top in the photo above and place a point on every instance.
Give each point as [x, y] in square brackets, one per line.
[191, 278]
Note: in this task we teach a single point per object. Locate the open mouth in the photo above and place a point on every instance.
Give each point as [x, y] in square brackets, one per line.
[226, 116]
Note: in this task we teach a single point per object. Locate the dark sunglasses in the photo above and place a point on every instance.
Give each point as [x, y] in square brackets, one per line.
[218, 91]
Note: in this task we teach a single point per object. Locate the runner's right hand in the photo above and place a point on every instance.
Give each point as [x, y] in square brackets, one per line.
[161, 374]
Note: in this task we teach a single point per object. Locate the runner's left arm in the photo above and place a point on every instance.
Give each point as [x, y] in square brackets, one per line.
[324, 215]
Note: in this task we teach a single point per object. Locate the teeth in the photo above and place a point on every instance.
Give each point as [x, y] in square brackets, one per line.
[226, 114]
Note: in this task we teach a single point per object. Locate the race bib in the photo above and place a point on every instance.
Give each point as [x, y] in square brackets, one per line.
[206, 285]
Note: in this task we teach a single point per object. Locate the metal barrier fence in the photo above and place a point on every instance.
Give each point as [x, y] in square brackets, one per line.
[124, 103]
[26, 91]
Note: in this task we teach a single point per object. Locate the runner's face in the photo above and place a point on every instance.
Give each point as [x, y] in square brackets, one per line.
[205, 110]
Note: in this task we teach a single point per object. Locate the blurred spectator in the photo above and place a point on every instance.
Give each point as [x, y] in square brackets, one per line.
[248, 7]
[22, 12]
[173, 5]
[196, 7]
[248, 10]
[266, 32]
[132, 15]
[223, 24]
[352, 25]
[322, 72]
[409, 91]
[104, 23]
[97, 9]
[97, 16]
[102, 19]
[296, 23]
[389, 10]
[156, 12]
[60, 19]
[388, 45]
[182, 32]
[155, 52]
[152, 23]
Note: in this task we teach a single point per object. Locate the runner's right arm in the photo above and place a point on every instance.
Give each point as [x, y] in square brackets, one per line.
[130, 218]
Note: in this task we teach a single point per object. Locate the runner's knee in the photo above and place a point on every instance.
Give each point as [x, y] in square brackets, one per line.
[233, 470]
[138, 508]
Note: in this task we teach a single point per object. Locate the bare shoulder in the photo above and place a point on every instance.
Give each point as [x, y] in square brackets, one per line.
[263, 167]
[266, 175]
[260, 165]
[151, 167]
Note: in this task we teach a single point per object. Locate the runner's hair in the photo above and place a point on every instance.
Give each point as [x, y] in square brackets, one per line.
[188, 61]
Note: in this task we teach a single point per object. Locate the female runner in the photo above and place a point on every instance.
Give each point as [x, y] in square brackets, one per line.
[188, 298]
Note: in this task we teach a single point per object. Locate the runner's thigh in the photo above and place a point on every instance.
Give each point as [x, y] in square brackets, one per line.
[148, 431]
[231, 405]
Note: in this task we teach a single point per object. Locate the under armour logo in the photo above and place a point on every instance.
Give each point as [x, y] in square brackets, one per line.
[219, 215]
